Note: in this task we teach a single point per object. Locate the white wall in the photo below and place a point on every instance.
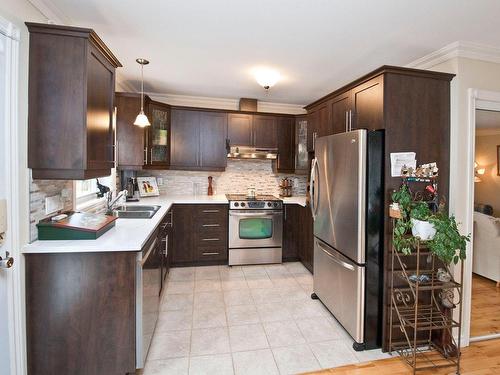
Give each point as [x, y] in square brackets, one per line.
[17, 12]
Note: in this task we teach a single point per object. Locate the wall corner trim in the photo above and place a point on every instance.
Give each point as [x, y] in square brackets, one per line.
[465, 49]
[51, 12]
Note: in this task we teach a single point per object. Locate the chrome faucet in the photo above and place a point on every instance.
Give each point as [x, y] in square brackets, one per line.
[110, 202]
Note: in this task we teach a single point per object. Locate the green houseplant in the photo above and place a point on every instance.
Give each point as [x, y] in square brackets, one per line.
[446, 242]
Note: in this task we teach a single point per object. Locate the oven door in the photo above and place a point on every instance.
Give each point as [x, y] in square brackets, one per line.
[255, 228]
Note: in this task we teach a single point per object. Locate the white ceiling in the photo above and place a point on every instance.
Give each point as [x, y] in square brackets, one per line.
[209, 47]
[487, 119]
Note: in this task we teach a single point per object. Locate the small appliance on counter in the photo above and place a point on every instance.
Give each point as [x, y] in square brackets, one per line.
[75, 226]
[286, 186]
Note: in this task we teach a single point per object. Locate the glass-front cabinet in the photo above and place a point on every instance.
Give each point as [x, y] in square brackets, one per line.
[157, 148]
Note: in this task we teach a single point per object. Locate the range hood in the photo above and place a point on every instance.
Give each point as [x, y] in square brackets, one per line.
[245, 152]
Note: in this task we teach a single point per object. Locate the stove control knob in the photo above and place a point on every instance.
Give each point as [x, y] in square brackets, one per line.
[236, 204]
[268, 204]
[242, 204]
[275, 204]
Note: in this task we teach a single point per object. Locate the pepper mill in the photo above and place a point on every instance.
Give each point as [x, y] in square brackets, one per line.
[210, 188]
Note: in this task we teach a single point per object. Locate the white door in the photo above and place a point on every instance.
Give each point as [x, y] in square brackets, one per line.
[8, 46]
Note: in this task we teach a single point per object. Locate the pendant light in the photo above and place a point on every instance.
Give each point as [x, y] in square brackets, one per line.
[141, 119]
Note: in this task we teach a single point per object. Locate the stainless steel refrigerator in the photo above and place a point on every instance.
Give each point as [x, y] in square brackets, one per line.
[347, 208]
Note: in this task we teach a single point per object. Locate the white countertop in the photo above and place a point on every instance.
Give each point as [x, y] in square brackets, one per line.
[132, 234]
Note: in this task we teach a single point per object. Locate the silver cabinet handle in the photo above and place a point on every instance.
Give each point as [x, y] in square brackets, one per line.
[151, 154]
[350, 120]
[315, 135]
[210, 211]
[210, 239]
[207, 254]
[338, 261]
[346, 121]
[211, 225]
[145, 155]
[166, 245]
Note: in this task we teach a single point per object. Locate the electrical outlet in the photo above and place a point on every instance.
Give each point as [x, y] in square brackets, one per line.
[159, 180]
[53, 204]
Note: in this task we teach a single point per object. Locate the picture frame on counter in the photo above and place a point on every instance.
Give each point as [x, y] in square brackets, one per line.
[148, 187]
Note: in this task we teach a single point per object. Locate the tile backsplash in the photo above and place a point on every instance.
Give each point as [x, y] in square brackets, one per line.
[41, 189]
[237, 178]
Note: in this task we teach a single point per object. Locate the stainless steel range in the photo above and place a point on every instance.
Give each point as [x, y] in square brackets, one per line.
[255, 229]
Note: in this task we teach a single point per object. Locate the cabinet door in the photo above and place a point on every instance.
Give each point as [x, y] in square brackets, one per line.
[185, 138]
[264, 131]
[100, 96]
[240, 129]
[368, 105]
[291, 229]
[306, 233]
[312, 119]
[323, 121]
[339, 112]
[158, 135]
[129, 138]
[213, 135]
[183, 241]
[286, 145]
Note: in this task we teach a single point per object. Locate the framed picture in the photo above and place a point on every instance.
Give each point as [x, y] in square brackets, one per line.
[498, 160]
[148, 186]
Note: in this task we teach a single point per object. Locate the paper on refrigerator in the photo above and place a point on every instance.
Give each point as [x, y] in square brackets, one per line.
[400, 159]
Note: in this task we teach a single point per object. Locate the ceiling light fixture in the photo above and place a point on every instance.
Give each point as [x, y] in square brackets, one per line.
[141, 119]
[267, 78]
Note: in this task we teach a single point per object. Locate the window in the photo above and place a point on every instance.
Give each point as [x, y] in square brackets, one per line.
[85, 190]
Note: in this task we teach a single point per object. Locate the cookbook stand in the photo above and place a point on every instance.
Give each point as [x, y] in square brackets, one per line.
[417, 310]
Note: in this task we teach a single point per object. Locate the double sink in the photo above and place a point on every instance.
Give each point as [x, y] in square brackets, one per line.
[135, 212]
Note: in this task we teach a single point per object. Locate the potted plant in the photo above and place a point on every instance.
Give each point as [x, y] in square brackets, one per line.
[421, 226]
[439, 230]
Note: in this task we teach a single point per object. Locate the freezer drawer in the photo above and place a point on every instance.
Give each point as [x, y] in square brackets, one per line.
[339, 283]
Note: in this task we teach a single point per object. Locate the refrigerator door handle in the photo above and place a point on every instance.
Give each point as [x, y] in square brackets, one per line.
[338, 261]
[314, 187]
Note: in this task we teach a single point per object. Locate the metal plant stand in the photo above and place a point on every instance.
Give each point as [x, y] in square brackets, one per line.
[418, 311]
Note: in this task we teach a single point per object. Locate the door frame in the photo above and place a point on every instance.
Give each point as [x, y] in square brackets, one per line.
[12, 162]
[477, 99]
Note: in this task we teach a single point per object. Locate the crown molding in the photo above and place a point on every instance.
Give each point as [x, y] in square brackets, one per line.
[456, 49]
[51, 12]
[223, 103]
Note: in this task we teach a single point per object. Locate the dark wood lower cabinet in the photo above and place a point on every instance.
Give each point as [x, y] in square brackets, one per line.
[298, 239]
[200, 234]
[80, 313]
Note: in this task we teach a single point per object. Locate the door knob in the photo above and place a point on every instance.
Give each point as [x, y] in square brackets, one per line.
[7, 262]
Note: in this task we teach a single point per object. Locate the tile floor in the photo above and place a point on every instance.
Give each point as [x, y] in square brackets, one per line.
[246, 320]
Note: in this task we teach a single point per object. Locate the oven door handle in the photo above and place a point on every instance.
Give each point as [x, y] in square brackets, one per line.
[271, 213]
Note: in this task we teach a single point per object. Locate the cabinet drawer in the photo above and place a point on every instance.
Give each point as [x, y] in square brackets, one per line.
[211, 253]
[211, 211]
[212, 238]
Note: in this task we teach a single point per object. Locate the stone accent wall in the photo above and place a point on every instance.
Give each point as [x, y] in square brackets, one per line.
[41, 189]
[239, 175]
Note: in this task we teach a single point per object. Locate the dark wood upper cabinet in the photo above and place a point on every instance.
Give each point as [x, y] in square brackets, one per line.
[185, 138]
[70, 103]
[264, 131]
[198, 140]
[158, 140]
[286, 145]
[367, 103]
[240, 130]
[213, 136]
[130, 141]
[339, 112]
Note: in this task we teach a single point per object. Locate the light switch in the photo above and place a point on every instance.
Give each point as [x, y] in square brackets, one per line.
[3, 216]
[53, 204]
